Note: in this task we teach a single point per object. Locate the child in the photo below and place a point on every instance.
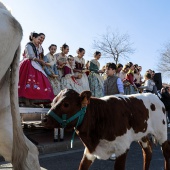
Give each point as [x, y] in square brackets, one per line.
[113, 84]
[51, 69]
[130, 87]
[62, 58]
[69, 79]
[148, 83]
[50, 60]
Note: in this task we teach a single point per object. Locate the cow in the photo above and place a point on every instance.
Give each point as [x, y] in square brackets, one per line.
[14, 146]
[110, 124]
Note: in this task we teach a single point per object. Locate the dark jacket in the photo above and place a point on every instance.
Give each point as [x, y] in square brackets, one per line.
[110, 86]
[166, 100]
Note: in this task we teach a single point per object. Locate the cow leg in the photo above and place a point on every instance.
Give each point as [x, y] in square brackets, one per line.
[6, 132]
[87, 160]
[121, 161]
[166, 153]
[147, 152]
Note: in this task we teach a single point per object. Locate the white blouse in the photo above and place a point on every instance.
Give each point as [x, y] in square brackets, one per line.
[52, 59]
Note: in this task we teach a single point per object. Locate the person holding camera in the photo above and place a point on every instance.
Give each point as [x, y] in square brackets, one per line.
[165, 93]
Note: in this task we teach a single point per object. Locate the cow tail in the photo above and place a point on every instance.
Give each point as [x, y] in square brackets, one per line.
[19, 149]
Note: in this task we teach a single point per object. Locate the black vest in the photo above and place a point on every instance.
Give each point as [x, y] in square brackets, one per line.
[110, 85]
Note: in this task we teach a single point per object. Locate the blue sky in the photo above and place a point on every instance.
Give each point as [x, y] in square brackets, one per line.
[79, 22]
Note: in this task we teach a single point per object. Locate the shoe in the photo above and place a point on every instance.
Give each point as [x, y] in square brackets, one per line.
[113, 157]
[21, 105]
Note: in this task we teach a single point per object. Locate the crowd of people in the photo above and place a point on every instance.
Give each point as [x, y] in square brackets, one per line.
[42, 76]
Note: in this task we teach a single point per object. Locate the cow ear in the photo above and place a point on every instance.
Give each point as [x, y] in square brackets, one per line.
[85, 98]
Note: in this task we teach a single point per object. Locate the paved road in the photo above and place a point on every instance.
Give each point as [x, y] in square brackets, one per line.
[70, 160]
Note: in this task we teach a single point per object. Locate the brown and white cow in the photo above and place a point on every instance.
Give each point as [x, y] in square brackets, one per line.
[112, 123]
[14, 146]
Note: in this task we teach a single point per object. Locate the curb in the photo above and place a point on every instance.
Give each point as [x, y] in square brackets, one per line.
[59, 146]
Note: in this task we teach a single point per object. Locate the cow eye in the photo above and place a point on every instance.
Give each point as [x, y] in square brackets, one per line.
[66, 104]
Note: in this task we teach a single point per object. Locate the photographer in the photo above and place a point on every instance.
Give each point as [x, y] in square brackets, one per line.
[166, 100]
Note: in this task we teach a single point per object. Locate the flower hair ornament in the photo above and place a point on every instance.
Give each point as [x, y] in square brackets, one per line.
[31, 35]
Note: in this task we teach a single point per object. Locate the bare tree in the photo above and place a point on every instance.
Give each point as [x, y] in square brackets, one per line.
[164, 61]
[114, 45]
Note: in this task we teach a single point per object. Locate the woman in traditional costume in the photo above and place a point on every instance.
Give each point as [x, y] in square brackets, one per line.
[69, 80]
[40, 48]
[34, 86]
[80, 70]
[129, 80]
[62, 59]
[51, 69]
[95, 80]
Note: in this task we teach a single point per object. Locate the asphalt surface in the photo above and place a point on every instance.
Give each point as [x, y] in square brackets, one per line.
[61, 157]
[70, 160]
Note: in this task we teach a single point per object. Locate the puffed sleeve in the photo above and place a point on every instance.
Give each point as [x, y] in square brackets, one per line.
[29, 52]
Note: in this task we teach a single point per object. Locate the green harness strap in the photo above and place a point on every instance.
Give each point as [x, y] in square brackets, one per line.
[64, 121]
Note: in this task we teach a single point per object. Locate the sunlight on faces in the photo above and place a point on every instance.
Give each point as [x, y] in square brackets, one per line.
[42, 37]
[36, 41]
[66, 50]
[53, 49]
[132, 67]
[119, 69]
[153, 73]
[140, 68]
[149, 71]
[98, 56]
[81, 54]
[126, 70]
[110, 71]
[136, 71]
[71, 60]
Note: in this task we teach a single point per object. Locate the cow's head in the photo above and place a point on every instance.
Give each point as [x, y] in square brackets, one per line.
[68, 102]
